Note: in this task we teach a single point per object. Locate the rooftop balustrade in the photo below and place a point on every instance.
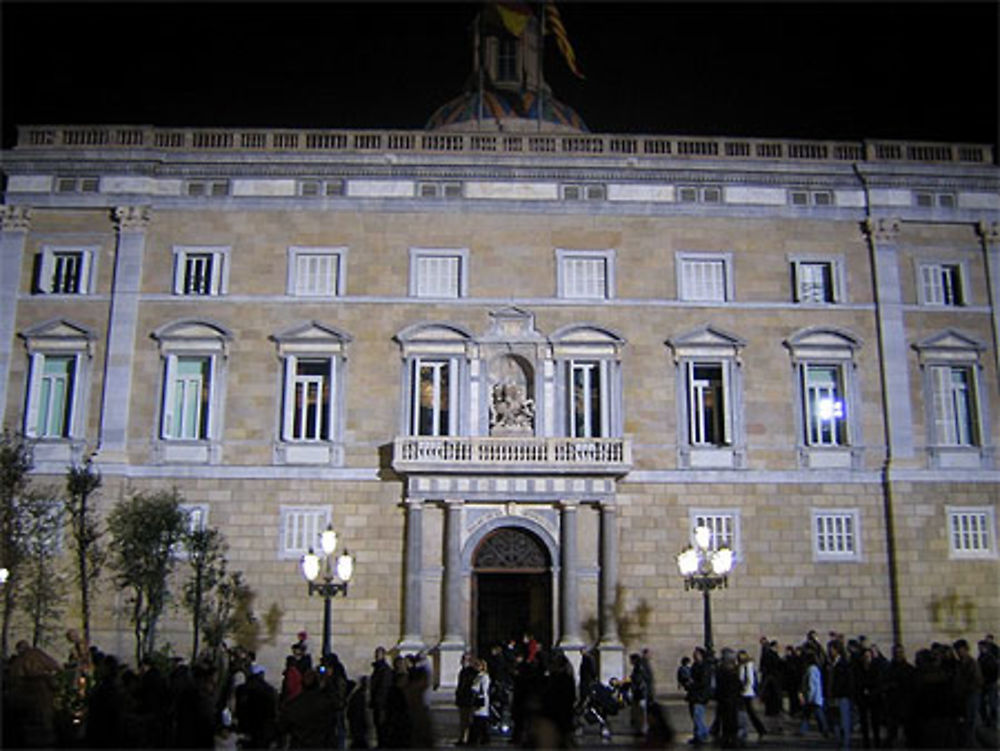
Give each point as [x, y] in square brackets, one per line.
[494, 144]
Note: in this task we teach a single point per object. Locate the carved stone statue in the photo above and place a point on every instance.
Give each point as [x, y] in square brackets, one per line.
[511, 411]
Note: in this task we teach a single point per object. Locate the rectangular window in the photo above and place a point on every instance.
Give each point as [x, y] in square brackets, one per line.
[703, 279]
[200, 271]
[434, 391]
[316, 274]
[507, 60]
[64, 271]
[709, 412]
[971, 532]
[440, 274]
[53, 397]
[301, 527]
[308, 403]
[584, 277]
[188, 396]
[953, 395]
[587, 404]
[835, 535]
[941, 284]
[814, 281]
[825, 410]
[696, 194]
[723, 525]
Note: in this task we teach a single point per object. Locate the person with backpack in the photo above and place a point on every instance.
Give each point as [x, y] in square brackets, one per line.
[748, 692]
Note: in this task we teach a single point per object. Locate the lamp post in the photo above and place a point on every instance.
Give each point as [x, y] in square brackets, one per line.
[705, 569]
[328, 587]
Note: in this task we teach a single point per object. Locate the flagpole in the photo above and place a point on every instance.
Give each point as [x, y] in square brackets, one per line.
[479, 66]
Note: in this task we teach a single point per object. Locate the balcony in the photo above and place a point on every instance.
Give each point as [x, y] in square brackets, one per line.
[493, 455]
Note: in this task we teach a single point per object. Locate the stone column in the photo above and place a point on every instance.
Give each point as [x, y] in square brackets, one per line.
[883, 235]
[413, 591]
[15, 222]
[131, 223]
[453, 643]
[611, 650]
[990, 234]
[569, 589]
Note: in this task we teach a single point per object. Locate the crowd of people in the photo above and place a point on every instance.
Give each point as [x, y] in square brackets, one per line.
[946, 698]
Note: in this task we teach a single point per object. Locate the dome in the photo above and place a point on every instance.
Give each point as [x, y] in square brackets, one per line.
[512, 111]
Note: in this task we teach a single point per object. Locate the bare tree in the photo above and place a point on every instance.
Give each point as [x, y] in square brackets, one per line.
[42, 584]
[15, 464]
[82, 482]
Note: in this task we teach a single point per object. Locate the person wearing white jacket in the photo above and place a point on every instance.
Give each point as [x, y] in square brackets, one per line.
[480, 734]
[748, 691]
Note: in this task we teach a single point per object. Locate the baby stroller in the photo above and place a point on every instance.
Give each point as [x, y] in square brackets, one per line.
[599, 704]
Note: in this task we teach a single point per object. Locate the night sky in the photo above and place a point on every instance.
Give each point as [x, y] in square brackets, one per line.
[843, 70]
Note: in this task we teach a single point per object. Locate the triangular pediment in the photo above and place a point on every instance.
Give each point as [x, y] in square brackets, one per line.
[311, 332]
[58, 328]
[706, 337]
[949, 340]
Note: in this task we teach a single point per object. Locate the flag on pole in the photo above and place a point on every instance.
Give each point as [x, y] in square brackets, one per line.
[514, 16]
[555, 25]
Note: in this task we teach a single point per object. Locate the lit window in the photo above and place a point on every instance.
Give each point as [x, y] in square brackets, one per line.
[971, 532]
[433, 389]
[826, 413]
[708, 405]
[835, 535]
[587, 413]
[300, 529]
[201, 271]
[704, 277]
[438, 273]
[585, 274]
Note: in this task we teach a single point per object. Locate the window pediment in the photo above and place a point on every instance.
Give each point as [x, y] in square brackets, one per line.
[193, 335]
[949, 345]
[587, 339]
[820, 343]
[59, 334]
[438, 338]
[310, 337]
[706, 341]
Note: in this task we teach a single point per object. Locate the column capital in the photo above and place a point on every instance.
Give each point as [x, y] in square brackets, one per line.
[989, 231]
[882, 229]
[570, 504]
[15, 218]
[132, 218]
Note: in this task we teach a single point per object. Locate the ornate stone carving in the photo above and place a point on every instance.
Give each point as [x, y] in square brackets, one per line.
[511, 548]
[511, 411]
[883, 229]
[15, 218]
[989, 231]
[132, 218]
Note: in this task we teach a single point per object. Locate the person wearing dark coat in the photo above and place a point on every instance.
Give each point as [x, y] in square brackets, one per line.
[463, 697]
[379, 683]
[699, 693]
[257, 710]
[868, 697]
[194, 709]
[559, 698]
[306, 718]
[898, 690]
[357, 714]
[841, 693]
[727, 695]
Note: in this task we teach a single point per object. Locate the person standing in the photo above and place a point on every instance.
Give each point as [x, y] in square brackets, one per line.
[379, 683]
[464, 697]
[968, 686]
[699, 694]
[480, 689]
[811, 695]
[869, 697]
[841, 692]
[748, 690]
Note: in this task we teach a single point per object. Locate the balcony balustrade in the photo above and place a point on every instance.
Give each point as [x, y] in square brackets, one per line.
[528, 455]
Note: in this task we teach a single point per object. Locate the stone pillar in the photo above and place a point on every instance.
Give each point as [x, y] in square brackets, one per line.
[883, 235]
[453, 643]
[990, 234]
[131, 222]
[413, 591]
[610, 648]
[569, 588]
[15, 222]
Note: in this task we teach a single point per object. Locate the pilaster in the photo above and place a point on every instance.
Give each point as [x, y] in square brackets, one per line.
[569, 600]
[413, 593]
[131, 223]
[15, 223]
[453, 643]
[989, 233]
[883, 237]
[610, 649]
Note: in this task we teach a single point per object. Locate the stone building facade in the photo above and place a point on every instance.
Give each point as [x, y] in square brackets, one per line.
[516, 363]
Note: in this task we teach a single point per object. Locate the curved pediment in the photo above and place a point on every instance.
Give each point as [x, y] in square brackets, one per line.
[586, 333]
[192, 329]
[443, 333]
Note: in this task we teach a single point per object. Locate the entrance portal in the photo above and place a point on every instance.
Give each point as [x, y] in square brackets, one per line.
[511, 589]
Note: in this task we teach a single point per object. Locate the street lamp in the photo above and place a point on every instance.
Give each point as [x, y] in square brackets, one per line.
[705, 569]
[328, 587]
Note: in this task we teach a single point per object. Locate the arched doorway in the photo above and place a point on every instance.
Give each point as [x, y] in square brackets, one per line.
[511, 589]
